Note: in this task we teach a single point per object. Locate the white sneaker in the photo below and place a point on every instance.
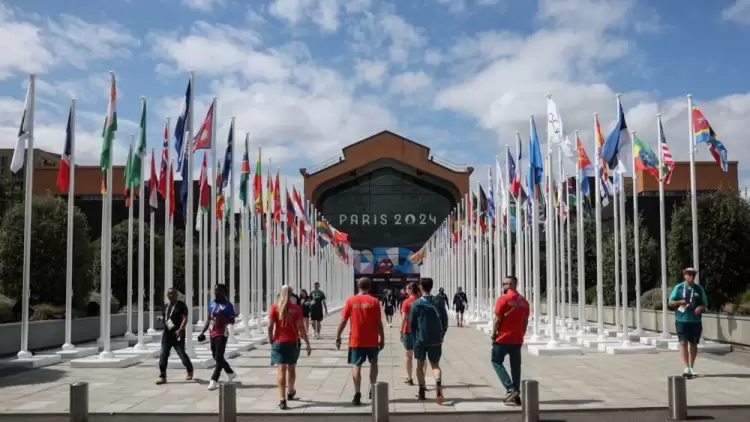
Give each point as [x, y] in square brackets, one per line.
[231, 377]
[692, 372]
[213, 385]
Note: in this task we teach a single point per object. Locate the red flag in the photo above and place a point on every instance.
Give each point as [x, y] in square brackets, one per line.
[171, 191]
[153, 183]
[204, 192]
[63, 173]
[276, 199]
[203, 138]
[164, 158]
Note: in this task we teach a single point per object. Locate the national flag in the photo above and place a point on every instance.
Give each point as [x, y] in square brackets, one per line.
[325, 235]
[153, 184]
[276, 199]
[269, 193]
[514, 177]
[258, 185]
[164, 164]
[417, 257]
[136, 172]
[172, 202]
[587, 169]
[19, 153]
[245, 171]
[63, 172]
[204, 201]
[339, 237]
[219, 193]
[667, 161]
[108, 133]
[185, 182]
[616, 143]
[483, 205]
[180, 128]
[203, 138]
[536, 165]
[705, 133]
[290, 224]
[126, 182]
[228, 155]
[491, 197]
[646, 159]
[500, 187]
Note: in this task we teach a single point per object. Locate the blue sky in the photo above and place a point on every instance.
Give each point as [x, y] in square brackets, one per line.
[307, 77]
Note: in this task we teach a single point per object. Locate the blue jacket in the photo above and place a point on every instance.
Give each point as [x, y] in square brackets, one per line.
[428, 321]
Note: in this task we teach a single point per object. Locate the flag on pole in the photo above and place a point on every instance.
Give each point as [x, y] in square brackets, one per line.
[490, 198]
[172, 202]
[164, 165]
[500, 188]
[126, 182]
[136, 172]
[276, 198]
[63, 173]
[587, 169]
[204, 201]
[153, 184]
[536, 165]
[245, 171]
[219, 193]
[258, 185]
[646, 159]
[203, 137]
[554, 123]
[19, 153]
[108, 133]
[616, 143]
[705, 133]
[180, 128]
[666, 156]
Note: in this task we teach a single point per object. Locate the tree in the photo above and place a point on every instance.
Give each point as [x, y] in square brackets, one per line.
[589, 253]
[723, 233]
[11, 193]
[648, 256]
[120, 263]
[48, 252]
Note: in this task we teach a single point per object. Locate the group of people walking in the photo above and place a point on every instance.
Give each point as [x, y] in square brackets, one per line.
[424, 325]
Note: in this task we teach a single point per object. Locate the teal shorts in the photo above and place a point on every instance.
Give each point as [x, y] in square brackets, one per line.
[284, 353]
[431, 353]
[358, 355]
[408, 341]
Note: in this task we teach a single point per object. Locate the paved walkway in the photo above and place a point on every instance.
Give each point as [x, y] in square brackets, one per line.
[592, 381]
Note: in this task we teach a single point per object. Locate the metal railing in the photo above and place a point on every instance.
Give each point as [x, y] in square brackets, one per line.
[458, 168]
[325, 164]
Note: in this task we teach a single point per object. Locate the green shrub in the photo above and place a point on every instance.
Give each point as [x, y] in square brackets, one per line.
[6, 310]
[652, 299]
[591, 295]
[94, 304]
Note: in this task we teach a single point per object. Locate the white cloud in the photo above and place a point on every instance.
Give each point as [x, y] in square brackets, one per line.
[203, 5]
[371, 71]
[739, 12]
[326, 14]
[409, 82]
[454, 6]
[385, 31]
[432, 57]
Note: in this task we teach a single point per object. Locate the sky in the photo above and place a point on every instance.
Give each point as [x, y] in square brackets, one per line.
[307, 77]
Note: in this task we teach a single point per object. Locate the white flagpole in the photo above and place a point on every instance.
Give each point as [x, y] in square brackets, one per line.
[550, 249]
[141, 345]
[131, 192]
[662, 236]
[105, 298]
[693, 198]
[167, 202]
[523, 283]
[535, 254]
[636, 257]
[581, 256]
[229, 213]
[500, 266]
[601, 336]
[566, 195]
[616, 209]
[508, 235]
[71, 209]
[201, 253]
[28, 197]
[213, 230]
[151, 286]
[189, 221]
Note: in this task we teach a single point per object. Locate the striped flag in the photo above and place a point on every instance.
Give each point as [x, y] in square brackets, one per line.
[153, 184]
[666, 156]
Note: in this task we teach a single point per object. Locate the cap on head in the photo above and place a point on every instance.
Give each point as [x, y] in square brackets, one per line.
[689, 270]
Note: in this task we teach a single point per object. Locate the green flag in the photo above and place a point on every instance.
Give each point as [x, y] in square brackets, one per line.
[110, 128]
[136, 171]
[128, 165]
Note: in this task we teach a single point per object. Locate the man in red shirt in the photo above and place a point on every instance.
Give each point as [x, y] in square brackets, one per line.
[366, 336]
[509, 329]
[406, 339]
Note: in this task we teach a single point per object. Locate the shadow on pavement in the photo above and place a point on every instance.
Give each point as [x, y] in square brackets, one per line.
[27, 376]
[238, 384]
[570, 402]
[724, 376]
[313, 366]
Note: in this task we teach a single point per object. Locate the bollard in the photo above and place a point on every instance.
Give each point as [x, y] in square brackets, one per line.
[529, 401]
[227, 402]
[677, 391]
[380, 402]
[79, 402]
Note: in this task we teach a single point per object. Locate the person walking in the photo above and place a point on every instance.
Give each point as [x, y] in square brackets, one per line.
[305, 301]
[442, 295]
[511, 318]
[220, 316]
[459, 306]
[318, 309]
[174, 318]
[389, 307]
[366, 335]
[285, 328]
[689, 300]
[406, 339]
[428, 324]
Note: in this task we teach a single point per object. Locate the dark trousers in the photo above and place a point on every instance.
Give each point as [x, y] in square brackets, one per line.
[218, 347]
[513, 351]
[168, 342]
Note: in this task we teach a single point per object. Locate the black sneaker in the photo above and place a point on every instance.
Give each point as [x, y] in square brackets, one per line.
[291, 395]
[422, 392]
[409, 381]
[357, 400]
[369, 394]
[282, 405]
[508, 395]
[513, 399]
